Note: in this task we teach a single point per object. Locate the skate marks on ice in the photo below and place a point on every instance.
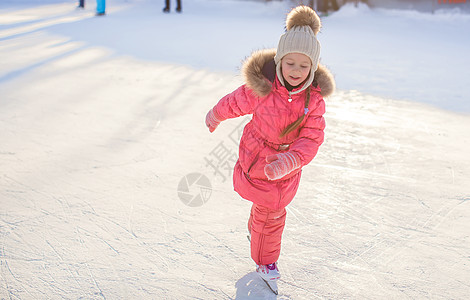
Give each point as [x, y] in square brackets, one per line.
[89, 207]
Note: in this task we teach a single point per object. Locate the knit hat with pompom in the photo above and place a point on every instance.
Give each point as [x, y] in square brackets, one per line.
[302, 26]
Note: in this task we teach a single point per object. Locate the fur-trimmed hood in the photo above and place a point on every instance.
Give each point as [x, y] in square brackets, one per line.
[259, 72]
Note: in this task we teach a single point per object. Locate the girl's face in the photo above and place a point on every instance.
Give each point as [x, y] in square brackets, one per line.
[295, 68]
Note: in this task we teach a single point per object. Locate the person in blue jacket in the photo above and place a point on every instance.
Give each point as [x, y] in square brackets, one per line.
[100, 7]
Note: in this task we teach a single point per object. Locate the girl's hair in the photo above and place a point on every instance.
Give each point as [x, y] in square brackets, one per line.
[291, 127]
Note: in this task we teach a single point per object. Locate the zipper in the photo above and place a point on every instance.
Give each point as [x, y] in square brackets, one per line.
[290, 97]
[261, 238]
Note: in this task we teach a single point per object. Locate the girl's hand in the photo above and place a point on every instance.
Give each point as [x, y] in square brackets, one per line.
[212, 121]
[279, 165]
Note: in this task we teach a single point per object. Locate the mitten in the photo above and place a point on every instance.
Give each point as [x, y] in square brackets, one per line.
[279, 165]
[212, 121]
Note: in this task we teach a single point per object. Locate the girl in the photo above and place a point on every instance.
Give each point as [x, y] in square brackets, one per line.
[284, 92]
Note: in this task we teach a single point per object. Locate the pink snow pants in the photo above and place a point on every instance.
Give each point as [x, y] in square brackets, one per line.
[266, 226]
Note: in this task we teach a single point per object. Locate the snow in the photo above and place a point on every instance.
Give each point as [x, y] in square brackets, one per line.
[101, 118]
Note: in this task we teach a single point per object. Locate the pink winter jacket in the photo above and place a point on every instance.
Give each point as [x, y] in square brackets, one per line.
[267, 100]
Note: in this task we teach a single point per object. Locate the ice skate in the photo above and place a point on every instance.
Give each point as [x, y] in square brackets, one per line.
[270, 274]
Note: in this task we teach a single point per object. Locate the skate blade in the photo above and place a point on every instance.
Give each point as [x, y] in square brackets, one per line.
[272, 286]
